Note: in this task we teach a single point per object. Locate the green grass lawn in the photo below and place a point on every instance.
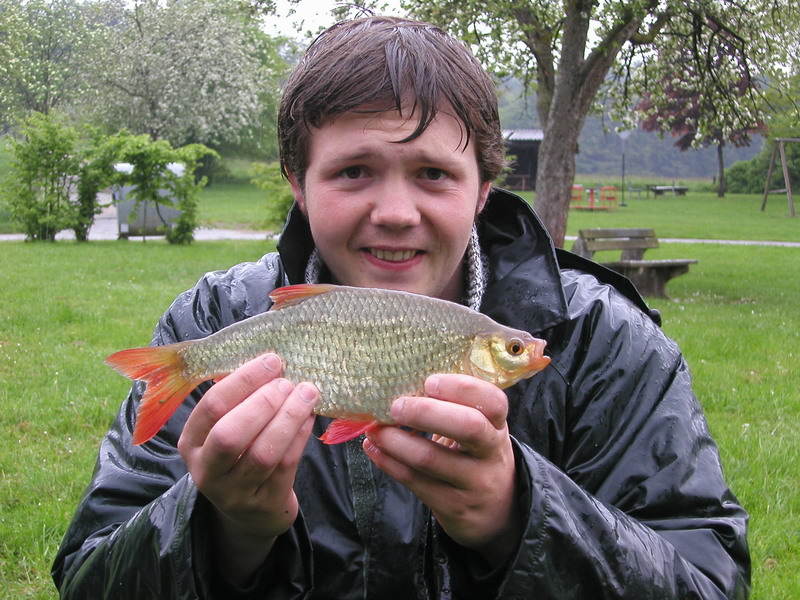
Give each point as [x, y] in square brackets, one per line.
[232, 205]
[65, 306]
[699, 215]
[696, 215]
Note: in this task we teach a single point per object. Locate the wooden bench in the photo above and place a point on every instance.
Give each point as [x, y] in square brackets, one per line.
[649, 276]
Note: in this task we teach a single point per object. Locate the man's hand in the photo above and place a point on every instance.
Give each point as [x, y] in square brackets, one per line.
[466, 473]
[242, 444]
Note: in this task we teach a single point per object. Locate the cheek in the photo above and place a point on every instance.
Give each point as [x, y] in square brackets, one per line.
[331, 222]
[456, 228]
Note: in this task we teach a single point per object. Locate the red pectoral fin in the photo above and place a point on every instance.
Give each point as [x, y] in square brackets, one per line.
[343, 430]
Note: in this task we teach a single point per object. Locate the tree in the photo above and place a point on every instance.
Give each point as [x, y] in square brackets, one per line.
[576, 49]
[260, 138]
[687, 107]
[184, 71]
[783, 121]
[42, 47]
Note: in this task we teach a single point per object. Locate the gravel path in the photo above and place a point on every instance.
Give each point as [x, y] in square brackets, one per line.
[105, 228]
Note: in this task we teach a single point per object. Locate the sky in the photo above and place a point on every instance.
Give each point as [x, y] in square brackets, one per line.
[312, 14]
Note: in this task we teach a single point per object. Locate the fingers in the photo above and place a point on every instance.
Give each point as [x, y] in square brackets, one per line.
[469, 391]
[233, 434]
[418, 463]
[282, 439]
[223, 396]
[472, 416]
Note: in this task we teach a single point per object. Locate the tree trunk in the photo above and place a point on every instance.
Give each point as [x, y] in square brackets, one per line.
[575, 87]
[721, 189]
[555, 173]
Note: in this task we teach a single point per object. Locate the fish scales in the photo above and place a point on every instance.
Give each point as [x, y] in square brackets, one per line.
[357, 364]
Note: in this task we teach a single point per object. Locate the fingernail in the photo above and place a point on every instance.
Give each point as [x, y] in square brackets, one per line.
[397, 408]
[369, 446]
[432, 385]
[308, 392]
[271, 363]
[285, 386]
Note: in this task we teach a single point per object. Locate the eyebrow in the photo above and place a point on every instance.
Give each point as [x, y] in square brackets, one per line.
[419, 154]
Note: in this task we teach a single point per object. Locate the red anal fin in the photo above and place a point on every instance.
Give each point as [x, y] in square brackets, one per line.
[343, 430]
[290, 295]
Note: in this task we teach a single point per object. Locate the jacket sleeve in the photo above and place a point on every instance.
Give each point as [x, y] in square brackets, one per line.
[142, 529]
[626, 498]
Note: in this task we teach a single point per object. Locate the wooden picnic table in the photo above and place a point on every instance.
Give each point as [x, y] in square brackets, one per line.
[598, 198]
[660, 190]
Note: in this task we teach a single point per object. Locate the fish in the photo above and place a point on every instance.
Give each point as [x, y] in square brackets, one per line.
[361, 347]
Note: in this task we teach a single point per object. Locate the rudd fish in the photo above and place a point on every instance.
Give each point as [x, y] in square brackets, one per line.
[361, 347]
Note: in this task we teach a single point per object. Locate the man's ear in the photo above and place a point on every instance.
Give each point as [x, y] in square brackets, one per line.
[483, 196]
[297, 192]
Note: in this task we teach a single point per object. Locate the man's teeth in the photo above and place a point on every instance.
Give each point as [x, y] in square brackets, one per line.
[393, 255]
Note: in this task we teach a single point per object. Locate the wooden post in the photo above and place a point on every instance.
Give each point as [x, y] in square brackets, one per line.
[789, 197]
[769, 177]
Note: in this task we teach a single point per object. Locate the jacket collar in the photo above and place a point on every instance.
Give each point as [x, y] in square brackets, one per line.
[295, 245]
[524, 288]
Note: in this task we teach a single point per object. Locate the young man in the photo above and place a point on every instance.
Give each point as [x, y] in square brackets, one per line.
[595, 479]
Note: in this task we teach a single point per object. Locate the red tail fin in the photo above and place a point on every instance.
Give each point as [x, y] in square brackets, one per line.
[161, 368]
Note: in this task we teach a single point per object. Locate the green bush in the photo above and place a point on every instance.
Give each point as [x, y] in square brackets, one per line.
[96, 173]
[153, 171]
[267, 177]
[745, 177]
[41, 181]
[55, 175]
[748, 177]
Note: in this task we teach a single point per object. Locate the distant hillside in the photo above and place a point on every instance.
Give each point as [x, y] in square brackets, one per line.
[645, 153]
[648, 154]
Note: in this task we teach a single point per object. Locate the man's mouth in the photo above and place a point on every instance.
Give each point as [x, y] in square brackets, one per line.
[392, 255]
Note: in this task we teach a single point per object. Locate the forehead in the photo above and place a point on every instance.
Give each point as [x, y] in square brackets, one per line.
[369, 131]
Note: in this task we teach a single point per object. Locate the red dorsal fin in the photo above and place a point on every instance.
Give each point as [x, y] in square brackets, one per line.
[289, 295]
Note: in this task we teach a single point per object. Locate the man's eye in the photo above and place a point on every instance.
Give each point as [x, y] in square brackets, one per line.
[433, 173]
[352, 172]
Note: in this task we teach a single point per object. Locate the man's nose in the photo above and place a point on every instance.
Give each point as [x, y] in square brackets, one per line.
[395, 207]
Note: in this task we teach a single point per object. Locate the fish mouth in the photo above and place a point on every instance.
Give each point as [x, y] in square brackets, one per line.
[392, 255]
[538, 360]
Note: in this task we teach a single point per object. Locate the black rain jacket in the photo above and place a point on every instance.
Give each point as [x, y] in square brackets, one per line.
[620, 483]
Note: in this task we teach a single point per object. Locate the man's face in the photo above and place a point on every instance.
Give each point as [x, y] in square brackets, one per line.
[390, 215]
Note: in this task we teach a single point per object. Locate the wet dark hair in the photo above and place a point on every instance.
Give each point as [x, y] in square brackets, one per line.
[389, 63]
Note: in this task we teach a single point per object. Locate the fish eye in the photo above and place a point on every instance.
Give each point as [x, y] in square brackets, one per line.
[514, 347]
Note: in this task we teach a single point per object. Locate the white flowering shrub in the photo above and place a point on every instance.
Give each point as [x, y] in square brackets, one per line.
[182, 71]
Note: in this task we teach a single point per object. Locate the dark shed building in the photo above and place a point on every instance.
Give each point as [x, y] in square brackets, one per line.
[523, 145]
